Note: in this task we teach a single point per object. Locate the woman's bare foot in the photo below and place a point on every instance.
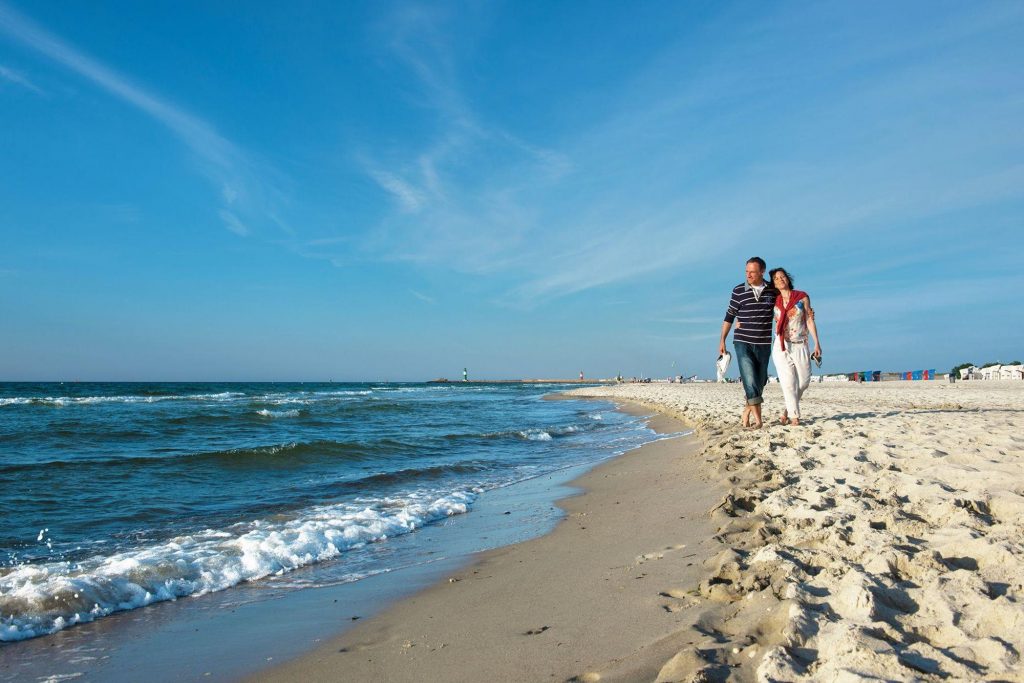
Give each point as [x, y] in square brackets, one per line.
[784, 420]
[795, 421]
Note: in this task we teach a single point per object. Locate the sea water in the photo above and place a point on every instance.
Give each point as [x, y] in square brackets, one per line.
[120, 495]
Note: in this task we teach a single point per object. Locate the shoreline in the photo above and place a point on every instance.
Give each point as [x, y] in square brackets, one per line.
[238, 633]
[607, 594]
[222, 630]
[878, 540]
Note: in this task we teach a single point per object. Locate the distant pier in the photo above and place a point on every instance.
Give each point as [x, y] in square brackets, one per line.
[523, 381]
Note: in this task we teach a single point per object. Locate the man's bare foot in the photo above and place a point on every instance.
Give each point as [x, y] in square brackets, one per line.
[745, 418]
[757, 417]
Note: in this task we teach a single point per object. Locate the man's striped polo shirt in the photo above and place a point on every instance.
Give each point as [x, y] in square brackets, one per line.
[752, 313]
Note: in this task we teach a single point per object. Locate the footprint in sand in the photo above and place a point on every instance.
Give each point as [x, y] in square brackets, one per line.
[684, 598]
[658, 554]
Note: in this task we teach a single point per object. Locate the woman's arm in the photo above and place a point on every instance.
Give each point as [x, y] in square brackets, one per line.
[813, 328]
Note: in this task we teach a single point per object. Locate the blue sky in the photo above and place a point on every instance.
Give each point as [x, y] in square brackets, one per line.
[398, 190]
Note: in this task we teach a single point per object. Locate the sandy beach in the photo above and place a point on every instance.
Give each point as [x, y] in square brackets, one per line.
[603, 597]
[880, 540]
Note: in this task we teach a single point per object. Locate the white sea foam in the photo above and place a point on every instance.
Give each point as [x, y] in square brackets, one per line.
[264, 450]
[308, 397]
[549, 433]
[278, 413]
[85, 400]
[224, 396]
[37, 599]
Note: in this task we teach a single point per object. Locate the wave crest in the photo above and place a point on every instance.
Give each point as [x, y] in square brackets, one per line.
[40, 599]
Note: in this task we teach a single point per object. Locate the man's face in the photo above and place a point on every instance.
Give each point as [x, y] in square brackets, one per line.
[755, 275]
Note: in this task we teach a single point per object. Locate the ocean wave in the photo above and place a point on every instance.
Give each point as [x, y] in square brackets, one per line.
[60, 401]
[408, 475]
[308, 396]
[533, 434]
[552, 432]
[289, 453]
[278, 413]
[39, 599]
[304, 397]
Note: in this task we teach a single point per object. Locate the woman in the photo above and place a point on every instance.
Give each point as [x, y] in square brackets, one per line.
[794, 319]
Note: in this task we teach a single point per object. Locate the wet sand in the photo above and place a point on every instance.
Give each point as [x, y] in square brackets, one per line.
[608, 595]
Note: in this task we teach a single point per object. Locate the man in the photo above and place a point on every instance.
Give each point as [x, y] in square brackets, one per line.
[751, 306]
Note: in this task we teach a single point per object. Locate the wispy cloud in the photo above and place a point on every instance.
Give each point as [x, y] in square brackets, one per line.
[233, 223]
[786, 125]
[461, 196]
[423, 297]
[16, 77]
[409, 198]
[229, 168]
[877, 303]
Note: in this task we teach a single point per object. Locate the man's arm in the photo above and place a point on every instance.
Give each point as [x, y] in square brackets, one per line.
[726, 326]
[730, 315]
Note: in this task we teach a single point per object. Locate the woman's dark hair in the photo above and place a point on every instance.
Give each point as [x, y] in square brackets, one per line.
[773, 271]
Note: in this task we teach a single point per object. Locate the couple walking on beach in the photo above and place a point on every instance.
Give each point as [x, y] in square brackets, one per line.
[757, 307]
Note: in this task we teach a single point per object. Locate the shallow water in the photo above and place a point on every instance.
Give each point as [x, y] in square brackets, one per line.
[122, 495]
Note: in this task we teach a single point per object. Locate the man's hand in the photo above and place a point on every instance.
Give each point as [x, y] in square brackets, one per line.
[721, 349]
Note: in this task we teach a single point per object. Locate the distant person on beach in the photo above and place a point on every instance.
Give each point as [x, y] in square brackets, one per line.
[751, 307]
[794, 322]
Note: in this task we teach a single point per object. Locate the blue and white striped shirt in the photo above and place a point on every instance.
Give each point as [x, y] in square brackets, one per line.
[754, 313]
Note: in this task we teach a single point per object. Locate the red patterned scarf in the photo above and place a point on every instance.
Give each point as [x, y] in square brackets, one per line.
[794, 297]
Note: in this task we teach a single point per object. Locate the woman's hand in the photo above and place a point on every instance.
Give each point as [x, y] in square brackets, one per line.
[817, 353]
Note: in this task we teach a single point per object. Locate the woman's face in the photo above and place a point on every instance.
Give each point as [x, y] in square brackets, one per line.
[780, 281]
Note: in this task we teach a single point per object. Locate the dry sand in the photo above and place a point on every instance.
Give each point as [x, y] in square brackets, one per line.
[603, 595]
[880, 540]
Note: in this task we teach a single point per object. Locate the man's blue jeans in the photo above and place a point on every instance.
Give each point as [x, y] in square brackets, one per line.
[753, 362]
